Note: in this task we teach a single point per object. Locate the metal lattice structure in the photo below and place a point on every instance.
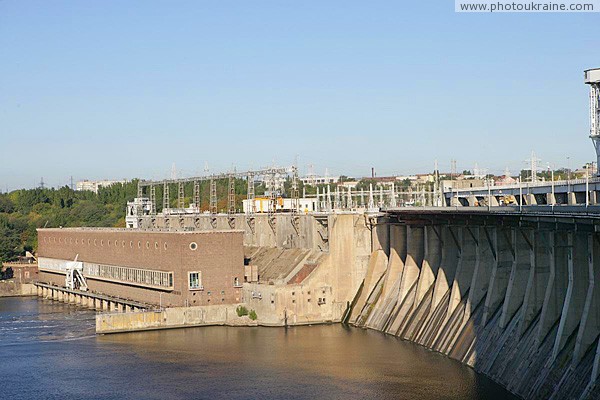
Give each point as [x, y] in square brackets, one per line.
[180, 195]
[231, 195]
[250, 194]
[270, 175]
[166, 200]
[213, 196]
[295, 195]
[152, 199]
[592, 78]
[197, 194]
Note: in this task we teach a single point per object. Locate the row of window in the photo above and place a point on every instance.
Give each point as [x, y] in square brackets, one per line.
[320, 301]
[139, 276]
[195, 281]
[109, 243]
[130, 275]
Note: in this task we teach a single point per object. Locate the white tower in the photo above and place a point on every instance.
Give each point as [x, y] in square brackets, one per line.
[592, 78]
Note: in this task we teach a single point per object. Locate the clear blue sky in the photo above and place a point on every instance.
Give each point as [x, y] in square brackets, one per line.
[122, 89]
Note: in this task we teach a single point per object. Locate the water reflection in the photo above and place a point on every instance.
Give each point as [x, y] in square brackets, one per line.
[327, 362]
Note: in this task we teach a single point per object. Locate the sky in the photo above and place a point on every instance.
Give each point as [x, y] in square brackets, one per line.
[124, 89]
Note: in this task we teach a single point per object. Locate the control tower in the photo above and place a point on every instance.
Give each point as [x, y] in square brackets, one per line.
[592, 78]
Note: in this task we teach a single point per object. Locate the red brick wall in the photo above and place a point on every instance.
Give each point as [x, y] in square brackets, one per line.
[219, 256]
[23, 272]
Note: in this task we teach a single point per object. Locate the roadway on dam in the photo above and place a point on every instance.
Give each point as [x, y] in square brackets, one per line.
[49, 351]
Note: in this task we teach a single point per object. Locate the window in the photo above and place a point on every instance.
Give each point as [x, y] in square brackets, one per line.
[195, 280]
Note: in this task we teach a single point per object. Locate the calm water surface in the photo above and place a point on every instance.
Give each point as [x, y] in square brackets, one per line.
[49, 351]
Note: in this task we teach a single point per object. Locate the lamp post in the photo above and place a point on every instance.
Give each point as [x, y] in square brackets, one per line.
[520, 195]
[489, 194]
[587, 186]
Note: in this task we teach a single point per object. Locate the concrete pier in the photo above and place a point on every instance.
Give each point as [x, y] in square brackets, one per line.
[86, 299]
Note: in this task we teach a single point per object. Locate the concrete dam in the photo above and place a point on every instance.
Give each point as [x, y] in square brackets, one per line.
[511, 294]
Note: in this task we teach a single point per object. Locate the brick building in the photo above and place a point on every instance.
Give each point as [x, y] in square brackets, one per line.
[23, 272]
[150, 266]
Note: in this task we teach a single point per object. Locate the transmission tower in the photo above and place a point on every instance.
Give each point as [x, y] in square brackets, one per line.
[166, 199]
[231, 195]
[295, 194]
[197, 194]
[533, 164]
[152, 199]
[250, 194]
[592, 78]
[213, 196]
[181, 196]
[371, 199]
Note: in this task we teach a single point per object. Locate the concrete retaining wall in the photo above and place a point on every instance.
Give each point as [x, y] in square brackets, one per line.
[169, 318]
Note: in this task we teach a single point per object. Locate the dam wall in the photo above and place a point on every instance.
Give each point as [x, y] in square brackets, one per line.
[287, 231]
[308, 266]
[515, 298]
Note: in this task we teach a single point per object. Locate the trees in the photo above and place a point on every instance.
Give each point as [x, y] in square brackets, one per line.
[23, 211]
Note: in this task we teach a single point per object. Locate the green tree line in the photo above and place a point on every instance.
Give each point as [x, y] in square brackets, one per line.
[23, 211]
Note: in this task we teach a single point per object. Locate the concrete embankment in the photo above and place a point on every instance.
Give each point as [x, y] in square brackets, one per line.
[517, 303]
[171, 318]
[11, 288]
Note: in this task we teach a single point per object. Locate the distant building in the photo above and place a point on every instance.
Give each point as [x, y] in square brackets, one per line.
[313, 180]
[93, 186]
[447, 185]
[349, 184]
[261, 205]
[24, 270]
[425, 178]
[505, 180]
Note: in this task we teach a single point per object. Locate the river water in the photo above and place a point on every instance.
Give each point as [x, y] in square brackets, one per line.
[48, 350]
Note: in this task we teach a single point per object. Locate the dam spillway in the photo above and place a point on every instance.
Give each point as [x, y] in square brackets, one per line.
[513, 295]
[508, 292]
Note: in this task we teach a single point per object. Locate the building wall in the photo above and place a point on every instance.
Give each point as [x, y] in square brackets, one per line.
[22, 272]
[218, 256]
